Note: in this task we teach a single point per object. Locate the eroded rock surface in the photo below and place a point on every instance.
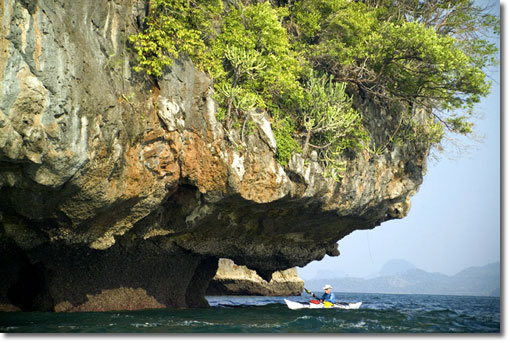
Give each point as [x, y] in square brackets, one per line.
[231, 279]
[121, 192]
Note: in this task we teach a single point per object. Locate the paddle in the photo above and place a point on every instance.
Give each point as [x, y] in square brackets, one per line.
[313, 295]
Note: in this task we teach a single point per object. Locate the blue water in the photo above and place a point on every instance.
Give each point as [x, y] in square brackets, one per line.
[380, 313]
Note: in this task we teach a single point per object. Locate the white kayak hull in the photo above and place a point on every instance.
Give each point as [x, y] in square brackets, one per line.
[296, 306]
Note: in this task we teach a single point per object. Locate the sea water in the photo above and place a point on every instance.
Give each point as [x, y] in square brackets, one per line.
[380, 313]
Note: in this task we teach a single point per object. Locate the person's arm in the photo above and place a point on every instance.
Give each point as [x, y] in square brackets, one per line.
[332, 298]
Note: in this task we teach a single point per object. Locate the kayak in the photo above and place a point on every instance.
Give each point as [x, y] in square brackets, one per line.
[293, 305]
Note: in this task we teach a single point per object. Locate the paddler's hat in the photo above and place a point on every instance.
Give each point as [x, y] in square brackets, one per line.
[327, 287]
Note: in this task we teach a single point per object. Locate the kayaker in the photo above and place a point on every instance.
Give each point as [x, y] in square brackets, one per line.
[327, 296]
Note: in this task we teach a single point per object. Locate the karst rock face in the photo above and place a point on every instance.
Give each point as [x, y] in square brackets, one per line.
[231, 279]
[122, 192]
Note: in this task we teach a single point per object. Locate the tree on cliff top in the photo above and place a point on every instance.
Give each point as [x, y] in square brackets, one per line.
[431, 54]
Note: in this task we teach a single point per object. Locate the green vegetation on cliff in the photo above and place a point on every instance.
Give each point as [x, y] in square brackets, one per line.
[299, 60]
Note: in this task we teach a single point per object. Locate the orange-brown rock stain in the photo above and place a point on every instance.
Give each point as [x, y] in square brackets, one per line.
[136, 180]
[259, 184]
[202, 164]
[161, 152]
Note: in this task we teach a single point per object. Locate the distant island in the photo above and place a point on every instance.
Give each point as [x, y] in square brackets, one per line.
[403, 278]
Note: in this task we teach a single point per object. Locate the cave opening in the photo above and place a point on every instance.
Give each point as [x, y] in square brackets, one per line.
[30, 291]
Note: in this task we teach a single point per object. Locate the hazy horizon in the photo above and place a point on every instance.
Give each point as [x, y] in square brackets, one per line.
[310, 276]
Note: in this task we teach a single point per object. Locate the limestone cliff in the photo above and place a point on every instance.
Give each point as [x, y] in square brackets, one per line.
[122, 192]
[231, 279]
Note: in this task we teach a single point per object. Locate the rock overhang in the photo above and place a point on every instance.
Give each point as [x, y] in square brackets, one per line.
[109, 164]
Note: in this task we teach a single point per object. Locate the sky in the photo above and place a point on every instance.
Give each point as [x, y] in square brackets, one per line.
[454, 222]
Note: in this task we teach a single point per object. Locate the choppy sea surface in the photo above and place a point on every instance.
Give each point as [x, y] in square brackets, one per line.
[380, 313]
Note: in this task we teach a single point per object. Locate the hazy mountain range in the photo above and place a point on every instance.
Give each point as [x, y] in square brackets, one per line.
[399, 276]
